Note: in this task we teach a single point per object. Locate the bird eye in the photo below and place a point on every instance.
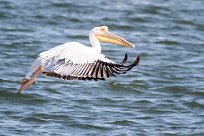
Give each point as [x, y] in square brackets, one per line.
[102, 30]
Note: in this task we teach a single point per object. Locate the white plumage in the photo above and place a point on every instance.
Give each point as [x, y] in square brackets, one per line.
[76, 52]
[73, 53]
[74, 60]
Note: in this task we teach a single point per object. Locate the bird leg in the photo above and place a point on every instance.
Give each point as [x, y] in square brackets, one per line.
[28, 82]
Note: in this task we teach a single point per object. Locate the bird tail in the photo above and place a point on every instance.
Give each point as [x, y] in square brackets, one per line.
[36, 64]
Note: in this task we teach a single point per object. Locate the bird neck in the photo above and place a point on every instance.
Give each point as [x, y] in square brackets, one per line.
[94, 42]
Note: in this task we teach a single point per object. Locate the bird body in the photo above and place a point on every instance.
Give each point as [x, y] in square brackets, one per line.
[73, 60]
[74, 51]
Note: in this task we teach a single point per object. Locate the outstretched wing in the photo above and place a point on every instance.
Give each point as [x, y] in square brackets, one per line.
[84, 64]
[86, 71]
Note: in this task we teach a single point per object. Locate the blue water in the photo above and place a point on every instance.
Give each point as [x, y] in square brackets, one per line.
[164, 95]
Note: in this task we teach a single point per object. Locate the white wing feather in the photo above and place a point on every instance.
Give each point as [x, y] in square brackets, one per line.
[76, 52]
[73, 60]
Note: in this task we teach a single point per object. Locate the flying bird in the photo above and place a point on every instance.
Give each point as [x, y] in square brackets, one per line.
[73, 60]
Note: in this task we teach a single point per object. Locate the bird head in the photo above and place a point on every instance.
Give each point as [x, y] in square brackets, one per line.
[103, 35]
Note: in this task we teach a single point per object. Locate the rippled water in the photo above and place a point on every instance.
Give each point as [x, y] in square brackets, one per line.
[164, 95]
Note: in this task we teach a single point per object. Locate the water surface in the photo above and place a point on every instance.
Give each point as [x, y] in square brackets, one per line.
[162, 96]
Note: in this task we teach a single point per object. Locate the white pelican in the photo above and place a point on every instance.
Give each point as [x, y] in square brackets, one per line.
[74, 60]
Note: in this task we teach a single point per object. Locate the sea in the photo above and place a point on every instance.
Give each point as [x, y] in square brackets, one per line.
[162, 96]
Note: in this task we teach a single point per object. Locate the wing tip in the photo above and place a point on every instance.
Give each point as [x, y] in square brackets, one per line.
[137, 61]
[124, 60]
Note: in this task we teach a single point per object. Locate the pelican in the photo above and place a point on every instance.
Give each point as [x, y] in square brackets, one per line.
[73, 60]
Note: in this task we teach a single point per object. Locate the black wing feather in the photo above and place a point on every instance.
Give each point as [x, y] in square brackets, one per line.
[89, 71]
